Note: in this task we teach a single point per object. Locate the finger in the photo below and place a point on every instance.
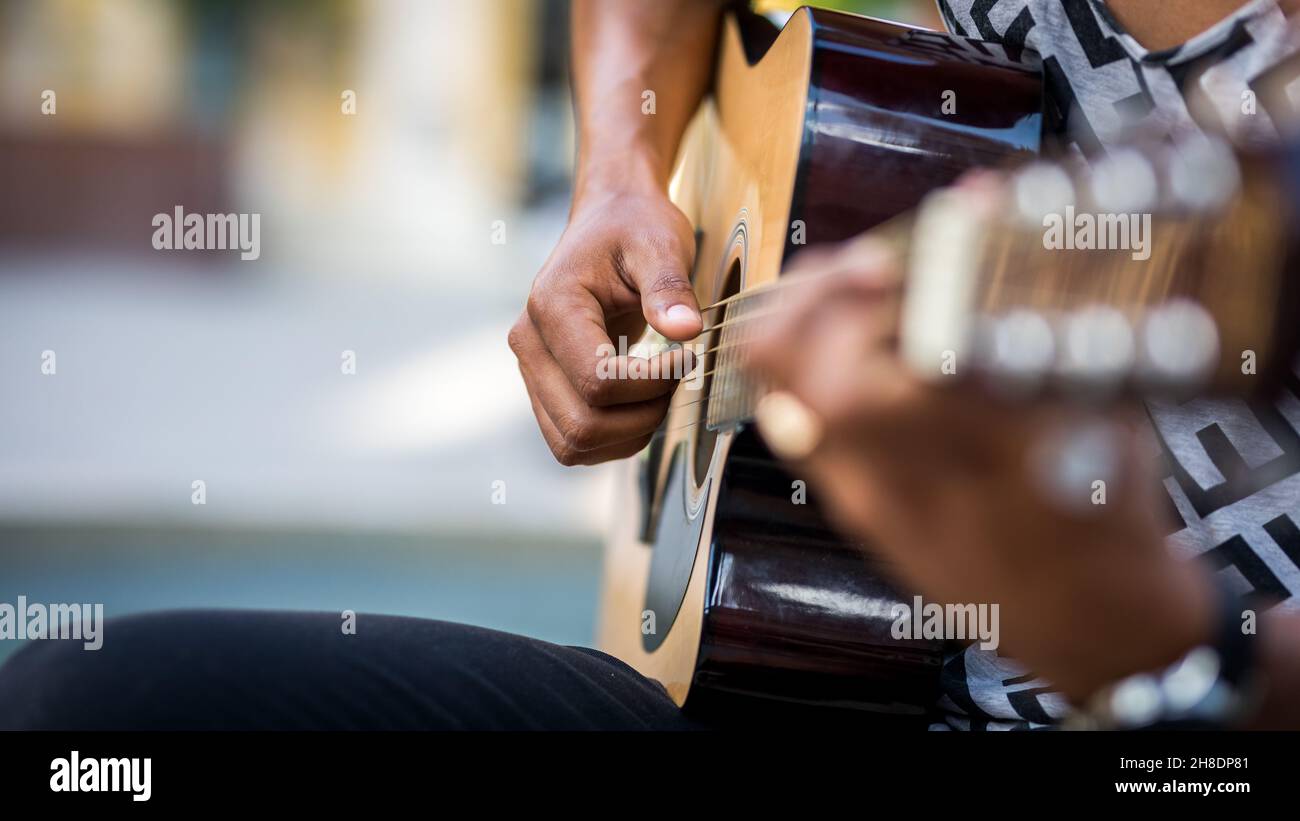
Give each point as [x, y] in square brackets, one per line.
[869, 259]
[860, 267]
[570, 328]
[660, 273]
[581, 427]
[569, 457]
[811, 258]
[584, 427]
[640, 378]
[852, 338]
[980, 180]
[839, 312]
[570, 323]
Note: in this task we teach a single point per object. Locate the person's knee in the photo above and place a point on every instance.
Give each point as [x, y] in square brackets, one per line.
[55, 683]
[65, 684]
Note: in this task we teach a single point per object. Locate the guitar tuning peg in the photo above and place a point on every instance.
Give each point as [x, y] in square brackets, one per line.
[1203, 173]
[1019, 349]
[1098, 348]
[1040, 189]
[1124, 182]
[1179, 345]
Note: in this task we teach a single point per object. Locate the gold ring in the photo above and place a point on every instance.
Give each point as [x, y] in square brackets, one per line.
[789, 427]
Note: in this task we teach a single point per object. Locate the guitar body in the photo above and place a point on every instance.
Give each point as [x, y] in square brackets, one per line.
[726, 586]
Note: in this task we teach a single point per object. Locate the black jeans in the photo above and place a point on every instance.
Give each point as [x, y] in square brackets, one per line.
[284, 670]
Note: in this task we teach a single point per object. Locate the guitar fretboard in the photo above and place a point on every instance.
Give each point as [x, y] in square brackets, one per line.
[1228, 262]
[733, 391]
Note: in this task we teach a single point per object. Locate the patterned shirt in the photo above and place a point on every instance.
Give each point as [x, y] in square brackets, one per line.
[1231, 469]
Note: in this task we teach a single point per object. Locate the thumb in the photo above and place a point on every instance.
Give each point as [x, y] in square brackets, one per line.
[667, 298]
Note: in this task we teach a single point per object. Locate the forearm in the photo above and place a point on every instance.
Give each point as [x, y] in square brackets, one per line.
[622, 49]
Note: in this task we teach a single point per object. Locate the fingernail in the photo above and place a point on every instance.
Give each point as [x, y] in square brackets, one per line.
[681, 313]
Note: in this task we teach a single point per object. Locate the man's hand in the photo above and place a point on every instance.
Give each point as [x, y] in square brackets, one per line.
[624, 260]
[975, 500]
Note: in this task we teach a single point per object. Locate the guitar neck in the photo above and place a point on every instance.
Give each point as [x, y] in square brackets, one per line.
[1043, 286]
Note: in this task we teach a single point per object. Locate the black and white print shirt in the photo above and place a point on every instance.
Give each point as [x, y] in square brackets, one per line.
[1232, 470]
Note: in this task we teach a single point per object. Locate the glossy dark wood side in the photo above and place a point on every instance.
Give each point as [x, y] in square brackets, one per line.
[895, 112]
[795, 613]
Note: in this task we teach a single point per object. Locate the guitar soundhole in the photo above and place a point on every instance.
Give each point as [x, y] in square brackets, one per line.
[704, 440]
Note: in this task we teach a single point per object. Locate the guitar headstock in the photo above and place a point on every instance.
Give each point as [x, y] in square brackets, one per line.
[1158, 269]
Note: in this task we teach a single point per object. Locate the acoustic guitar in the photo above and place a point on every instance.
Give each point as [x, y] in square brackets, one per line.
[727, 586]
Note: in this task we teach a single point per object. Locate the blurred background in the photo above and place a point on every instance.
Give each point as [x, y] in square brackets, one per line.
[410, 162]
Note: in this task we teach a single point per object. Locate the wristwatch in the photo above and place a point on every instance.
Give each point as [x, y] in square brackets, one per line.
[1214, 686]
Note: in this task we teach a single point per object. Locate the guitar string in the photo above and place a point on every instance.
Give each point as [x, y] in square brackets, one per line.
[1017, 289]
[730, 321]
[662, 432]
[726, 368]
[1027, 293]
[756, 291]
[743, 390]
[722, 397]
[782, 284]
[721, 345]
[725, 346]
[710, 395]
[740, 343]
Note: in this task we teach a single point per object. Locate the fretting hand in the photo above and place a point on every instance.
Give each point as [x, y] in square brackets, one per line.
[973, 499]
